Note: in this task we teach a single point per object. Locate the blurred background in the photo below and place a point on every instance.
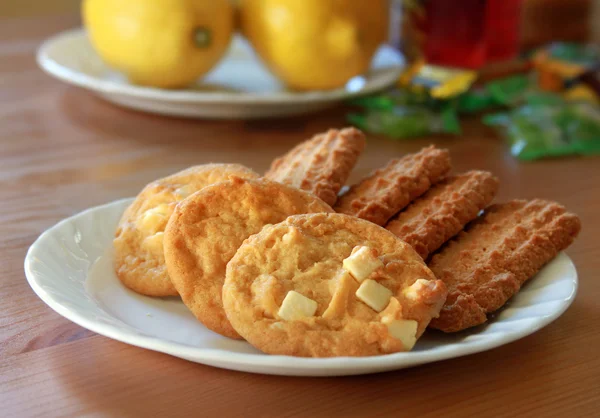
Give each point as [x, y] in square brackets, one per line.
[402, 68]
[541, 21]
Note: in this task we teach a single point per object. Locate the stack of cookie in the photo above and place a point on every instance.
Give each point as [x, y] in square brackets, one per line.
[285, 263]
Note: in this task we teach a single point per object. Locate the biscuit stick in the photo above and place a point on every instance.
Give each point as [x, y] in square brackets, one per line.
[388, 190]
[320, 165]
[442, 212]
[489, 262]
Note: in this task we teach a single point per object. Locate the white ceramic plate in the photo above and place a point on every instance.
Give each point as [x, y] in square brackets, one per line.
[238, 87]
[70, 268]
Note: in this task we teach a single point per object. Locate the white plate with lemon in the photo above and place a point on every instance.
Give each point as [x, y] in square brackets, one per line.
[196, 67]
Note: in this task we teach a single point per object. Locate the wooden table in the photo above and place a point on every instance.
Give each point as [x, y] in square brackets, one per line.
[63, 150]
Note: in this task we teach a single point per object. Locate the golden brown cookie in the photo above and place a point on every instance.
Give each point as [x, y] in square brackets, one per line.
[139, 258]
[208, 227]
[489, 262]
[323, 285]
[390, 189]
[320, 165]
[442, 212]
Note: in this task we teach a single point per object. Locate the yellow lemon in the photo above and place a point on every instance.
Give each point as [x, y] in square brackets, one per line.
[160, 43]
[315, 44]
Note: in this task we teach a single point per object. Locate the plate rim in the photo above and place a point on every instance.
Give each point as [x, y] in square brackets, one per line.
[210, 356]
[84, 80]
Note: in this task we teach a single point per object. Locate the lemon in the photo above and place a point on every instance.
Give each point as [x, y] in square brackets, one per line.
[160, 43]
[315, 44]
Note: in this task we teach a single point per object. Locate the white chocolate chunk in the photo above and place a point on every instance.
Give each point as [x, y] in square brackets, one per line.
[154, 243]
[265, 288]
[341, 288]
[404, 330]
[374, 294]
[414, 290]
[184, 191]
[296, 306]
[153, 219]
[362, 262]
[292, 236]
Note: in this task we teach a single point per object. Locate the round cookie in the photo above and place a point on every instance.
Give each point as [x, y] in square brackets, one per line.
[208, 227]
[139, 257]
[324, 285]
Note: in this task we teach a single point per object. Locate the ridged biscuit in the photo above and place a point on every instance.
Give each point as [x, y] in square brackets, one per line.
[390, 189]
[320, 165]
[442, 212]
[489, 262]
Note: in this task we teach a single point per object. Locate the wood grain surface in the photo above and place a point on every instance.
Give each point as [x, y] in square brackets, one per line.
[63, 150]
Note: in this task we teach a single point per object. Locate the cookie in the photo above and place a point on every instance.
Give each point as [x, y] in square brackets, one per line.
[320, 165]
[324, 285]
[390, 189]
[489, 262]
[208, 227]
[139, 257]
[432, 219]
